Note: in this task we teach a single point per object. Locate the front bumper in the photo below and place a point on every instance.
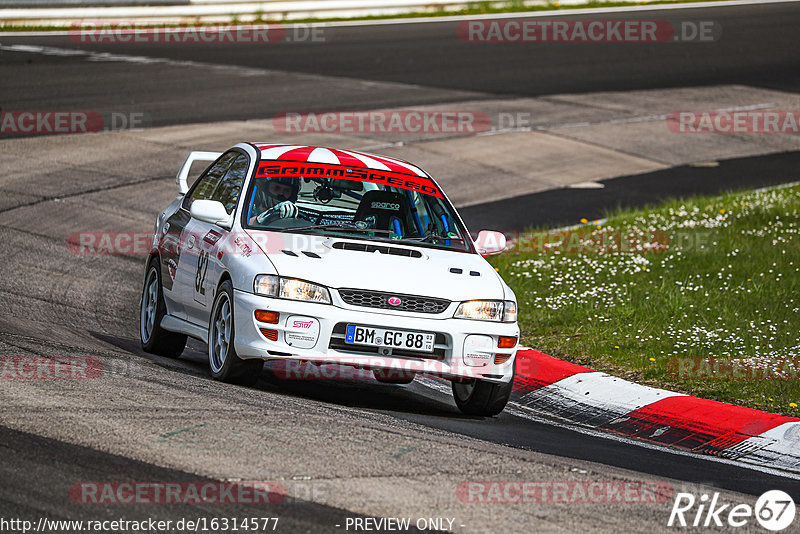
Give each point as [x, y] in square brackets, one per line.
[463, 349]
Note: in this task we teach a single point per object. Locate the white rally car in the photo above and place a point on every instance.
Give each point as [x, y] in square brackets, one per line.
[287, 252]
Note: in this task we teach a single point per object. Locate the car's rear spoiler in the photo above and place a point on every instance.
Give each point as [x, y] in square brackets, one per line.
[183, 174]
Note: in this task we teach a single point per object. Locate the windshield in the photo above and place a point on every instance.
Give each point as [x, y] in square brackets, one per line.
[353, 202]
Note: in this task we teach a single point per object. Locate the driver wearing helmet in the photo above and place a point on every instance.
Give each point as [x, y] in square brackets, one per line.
[274, 196]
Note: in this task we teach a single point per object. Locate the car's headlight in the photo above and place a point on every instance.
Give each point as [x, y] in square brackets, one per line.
[267, 284]
[487, 310]
[509, 311]
[271, 285]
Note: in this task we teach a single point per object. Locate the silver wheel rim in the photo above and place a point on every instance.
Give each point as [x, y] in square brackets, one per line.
[149, 305]
[464, 389]
[221, 327]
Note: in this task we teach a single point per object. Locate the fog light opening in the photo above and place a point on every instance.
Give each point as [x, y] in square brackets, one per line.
[272, 335]
[501, 358]
[506, 342]
[264, 316]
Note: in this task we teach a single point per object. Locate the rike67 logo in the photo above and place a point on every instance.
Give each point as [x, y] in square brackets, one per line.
[774, 510]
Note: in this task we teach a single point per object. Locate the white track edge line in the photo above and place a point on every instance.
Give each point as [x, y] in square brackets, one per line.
[525, 413]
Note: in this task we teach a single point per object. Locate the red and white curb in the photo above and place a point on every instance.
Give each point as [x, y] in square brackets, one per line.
[584, 398]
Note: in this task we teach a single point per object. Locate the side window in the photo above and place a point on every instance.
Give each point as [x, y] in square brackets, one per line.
[230, 186]
[207, 183]
[422, 211]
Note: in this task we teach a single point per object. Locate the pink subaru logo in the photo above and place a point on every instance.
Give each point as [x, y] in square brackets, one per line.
[394, 301]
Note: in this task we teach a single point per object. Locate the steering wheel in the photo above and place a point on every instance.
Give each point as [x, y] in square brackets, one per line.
[262, 217]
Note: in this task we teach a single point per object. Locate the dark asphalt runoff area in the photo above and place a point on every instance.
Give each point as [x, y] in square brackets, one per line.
[562, 207]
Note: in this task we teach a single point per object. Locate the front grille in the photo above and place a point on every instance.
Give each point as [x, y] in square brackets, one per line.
[376, 299]
[337, 343]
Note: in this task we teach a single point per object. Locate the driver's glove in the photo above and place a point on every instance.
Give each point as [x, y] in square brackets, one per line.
[286, 209]
[283, 210]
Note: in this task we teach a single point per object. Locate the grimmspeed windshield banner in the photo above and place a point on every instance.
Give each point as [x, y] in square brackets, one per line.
[341, 172]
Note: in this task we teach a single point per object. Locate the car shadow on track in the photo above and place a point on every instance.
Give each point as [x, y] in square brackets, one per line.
[364, 392]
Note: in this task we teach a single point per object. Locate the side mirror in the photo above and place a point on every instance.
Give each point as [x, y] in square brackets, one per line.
[489, 242]
[210, 211]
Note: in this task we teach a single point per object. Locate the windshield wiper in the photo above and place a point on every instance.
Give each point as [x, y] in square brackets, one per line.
[344, 227]
[431, 237]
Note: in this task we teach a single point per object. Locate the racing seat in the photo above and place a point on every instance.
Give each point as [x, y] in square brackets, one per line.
[384, 210]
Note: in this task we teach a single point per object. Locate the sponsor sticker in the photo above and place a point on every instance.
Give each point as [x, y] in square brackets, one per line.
[243, 246]
[301, 332]
[172, 268]
[388, 178]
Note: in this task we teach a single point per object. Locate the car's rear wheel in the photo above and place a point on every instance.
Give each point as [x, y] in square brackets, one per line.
[152, 309]
[478, 397]
[222, 358]
[391, 376]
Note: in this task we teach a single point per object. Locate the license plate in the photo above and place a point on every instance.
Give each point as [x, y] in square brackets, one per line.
[396, 339]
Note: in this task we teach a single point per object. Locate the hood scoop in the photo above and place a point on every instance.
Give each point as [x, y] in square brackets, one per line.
[364, 247]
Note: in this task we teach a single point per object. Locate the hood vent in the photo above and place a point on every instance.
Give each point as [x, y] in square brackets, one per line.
[459, 270]
[363, 247]
[305, 253]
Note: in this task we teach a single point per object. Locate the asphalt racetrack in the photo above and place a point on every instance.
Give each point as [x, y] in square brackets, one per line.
[343, 449]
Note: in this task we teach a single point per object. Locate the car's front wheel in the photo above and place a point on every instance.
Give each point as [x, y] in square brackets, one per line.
[478, 397]
[152, 309]
[222, 358]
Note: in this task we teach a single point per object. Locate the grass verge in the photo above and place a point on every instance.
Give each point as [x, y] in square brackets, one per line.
[474, 8]
[700, 296]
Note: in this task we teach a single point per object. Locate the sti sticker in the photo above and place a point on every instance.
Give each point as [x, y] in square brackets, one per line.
[301, 332]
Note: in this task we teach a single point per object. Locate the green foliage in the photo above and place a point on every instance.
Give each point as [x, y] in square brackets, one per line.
[714, 278]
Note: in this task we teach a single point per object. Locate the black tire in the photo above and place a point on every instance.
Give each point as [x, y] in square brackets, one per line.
[225, 364]
[390, 376]
[477, 397]
[152, 309]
